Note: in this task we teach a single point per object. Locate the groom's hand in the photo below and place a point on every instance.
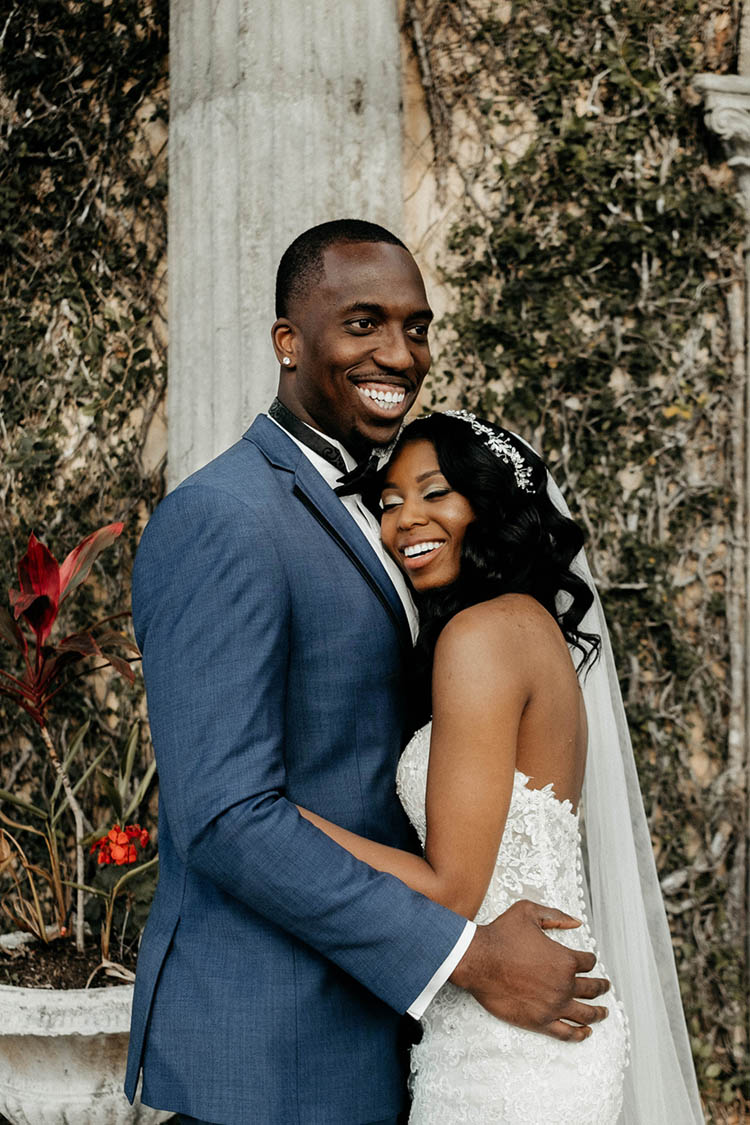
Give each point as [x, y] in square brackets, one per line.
[520, 975]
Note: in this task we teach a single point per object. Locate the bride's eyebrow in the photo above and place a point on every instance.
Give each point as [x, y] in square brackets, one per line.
[419, 479]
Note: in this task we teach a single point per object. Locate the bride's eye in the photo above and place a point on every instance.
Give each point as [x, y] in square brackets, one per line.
[435, 493]
[391, 502]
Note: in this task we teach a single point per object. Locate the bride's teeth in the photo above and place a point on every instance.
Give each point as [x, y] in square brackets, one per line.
[420, 549]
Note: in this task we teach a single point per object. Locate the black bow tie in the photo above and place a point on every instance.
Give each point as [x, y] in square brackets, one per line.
[353, 481]
[360, 477]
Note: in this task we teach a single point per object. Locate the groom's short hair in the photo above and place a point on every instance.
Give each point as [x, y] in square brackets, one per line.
[301, 263]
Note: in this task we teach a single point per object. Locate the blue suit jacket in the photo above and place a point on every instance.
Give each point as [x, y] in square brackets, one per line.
[274, 965]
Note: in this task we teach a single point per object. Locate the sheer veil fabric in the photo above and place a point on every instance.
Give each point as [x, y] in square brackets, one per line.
[627, 911]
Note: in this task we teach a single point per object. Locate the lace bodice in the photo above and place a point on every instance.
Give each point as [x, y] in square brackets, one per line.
[471, 1067]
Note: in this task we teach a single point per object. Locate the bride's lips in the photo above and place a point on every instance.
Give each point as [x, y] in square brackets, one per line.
[416, 562]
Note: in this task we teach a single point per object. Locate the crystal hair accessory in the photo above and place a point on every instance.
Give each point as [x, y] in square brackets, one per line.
[500, 446]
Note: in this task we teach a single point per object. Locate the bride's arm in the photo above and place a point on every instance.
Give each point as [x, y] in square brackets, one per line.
[481, 684]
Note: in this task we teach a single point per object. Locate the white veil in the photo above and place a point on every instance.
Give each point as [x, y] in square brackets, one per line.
[627, 911]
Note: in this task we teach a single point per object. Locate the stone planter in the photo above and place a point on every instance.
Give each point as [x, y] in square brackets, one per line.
[62, 1057]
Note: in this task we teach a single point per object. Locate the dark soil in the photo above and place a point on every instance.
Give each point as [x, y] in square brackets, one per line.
[57, 965]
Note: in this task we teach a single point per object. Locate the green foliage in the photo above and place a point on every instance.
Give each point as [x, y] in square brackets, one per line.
[589, 269]
[83, 101]
[83, 235]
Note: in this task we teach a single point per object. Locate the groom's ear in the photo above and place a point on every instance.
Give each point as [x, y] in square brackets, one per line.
[285, 338]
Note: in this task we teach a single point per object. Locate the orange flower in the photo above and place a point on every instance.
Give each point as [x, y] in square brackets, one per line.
[119, 846]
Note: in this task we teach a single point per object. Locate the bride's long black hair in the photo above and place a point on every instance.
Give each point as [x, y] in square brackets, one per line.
[518, 543]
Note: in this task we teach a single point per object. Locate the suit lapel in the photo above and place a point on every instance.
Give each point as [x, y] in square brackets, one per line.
[323, 504]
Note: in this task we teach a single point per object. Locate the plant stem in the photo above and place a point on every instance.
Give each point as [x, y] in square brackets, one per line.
[78, 818]
[107, 927]
[122, 933]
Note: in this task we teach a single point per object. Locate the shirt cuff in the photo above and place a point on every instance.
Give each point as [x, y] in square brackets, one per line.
[436, 982]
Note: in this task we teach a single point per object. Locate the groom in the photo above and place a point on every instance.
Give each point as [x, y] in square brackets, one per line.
[276, 635]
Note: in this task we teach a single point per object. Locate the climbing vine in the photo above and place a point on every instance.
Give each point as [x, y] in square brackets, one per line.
[83, 124]
[591, 255]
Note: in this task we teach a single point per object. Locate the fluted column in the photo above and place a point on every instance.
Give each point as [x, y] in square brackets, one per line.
[726, 100]
[283, 115]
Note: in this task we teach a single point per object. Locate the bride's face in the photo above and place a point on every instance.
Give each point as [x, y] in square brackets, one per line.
[424, 520]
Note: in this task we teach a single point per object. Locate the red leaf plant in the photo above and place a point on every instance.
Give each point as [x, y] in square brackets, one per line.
[44, 585]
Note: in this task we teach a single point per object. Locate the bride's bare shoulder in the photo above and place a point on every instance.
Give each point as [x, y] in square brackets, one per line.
[509, 630]
[488, 657]
[508, 613]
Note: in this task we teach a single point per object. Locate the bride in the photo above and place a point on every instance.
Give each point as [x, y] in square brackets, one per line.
[493, 785]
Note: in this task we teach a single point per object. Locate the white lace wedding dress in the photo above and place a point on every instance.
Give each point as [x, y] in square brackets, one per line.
[471, 1067]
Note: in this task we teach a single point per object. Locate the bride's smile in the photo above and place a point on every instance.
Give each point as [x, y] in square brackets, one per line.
[424, 520]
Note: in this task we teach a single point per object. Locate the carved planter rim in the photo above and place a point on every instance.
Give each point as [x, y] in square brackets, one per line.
[69, 1011]
[25, 1010]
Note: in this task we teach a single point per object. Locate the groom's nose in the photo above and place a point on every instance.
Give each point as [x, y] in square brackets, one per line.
[393, 352]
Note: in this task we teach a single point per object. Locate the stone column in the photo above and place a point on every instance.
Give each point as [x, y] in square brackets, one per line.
[727, 114]
[282, 116]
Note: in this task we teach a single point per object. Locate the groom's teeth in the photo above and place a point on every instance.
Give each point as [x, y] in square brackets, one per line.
[421, 549]
[384, 398]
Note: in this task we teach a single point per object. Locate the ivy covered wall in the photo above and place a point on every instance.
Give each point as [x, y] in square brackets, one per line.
[587, 237]
[83, 128]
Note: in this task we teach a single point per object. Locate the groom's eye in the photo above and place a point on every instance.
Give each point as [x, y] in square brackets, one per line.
[362, 324]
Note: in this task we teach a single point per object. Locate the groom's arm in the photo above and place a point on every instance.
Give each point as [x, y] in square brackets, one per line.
[484, 674]
[212, 617]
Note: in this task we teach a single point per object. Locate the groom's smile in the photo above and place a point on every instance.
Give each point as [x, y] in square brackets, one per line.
[356, 340]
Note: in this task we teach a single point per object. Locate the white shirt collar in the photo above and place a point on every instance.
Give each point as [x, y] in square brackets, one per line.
[328, 471]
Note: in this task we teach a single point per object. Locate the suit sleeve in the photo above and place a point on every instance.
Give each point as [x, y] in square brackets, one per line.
[211, 610]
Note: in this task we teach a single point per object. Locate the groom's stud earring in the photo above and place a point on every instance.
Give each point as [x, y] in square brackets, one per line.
[286, 361]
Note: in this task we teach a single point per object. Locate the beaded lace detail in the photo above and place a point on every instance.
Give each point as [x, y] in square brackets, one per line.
[470, 1067]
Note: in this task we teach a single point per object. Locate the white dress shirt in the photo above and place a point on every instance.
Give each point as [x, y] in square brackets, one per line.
[370, 527]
